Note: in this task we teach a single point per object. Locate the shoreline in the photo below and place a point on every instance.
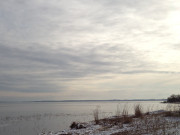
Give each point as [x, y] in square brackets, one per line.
[158, 122]
[170, 102]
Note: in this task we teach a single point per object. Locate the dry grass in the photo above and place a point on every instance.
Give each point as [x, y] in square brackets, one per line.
[138, 124]
[126, 118]
[96, 115]
[118, 112]
[172, 111]
[153, 123]
[138, 111]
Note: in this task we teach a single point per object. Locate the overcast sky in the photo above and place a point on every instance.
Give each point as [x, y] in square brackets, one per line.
[89, 49]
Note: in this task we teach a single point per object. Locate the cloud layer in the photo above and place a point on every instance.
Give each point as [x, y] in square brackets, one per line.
[80, 49]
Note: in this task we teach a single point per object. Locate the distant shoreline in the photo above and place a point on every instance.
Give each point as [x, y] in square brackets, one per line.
[113, 100]
[100, 100]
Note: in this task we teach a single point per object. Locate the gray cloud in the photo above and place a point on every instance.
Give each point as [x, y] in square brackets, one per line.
[39, 20]
[25, 69]
[44, 45]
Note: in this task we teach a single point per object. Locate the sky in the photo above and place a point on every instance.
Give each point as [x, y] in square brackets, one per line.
[89, 49]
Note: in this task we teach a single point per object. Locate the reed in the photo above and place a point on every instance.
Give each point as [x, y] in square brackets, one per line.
[138, 111]
[96, 115]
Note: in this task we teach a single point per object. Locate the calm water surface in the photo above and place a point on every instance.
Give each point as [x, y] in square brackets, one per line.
[31, 118]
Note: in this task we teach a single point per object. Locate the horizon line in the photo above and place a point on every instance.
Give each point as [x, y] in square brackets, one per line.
[89, 100]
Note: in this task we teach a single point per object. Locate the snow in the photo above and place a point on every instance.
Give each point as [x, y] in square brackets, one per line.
[165, 125]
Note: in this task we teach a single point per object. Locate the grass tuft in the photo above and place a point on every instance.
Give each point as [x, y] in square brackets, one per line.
[138, 111]
[96, 115]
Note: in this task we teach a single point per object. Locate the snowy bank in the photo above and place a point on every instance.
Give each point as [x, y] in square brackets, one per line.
[154, 123]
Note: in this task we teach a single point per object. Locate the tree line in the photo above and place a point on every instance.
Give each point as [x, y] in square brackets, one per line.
[173, 98]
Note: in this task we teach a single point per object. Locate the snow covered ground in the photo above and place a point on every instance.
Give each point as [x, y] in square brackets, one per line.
[156, 123]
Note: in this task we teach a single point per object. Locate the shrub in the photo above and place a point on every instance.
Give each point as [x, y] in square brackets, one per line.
[173, 98]
[138, 111]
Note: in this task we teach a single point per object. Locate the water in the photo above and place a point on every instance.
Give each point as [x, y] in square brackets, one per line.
[31, 118]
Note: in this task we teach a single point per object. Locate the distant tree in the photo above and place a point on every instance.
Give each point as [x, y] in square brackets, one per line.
[173, 98]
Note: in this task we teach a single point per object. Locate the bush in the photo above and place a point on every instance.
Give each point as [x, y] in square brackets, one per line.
[173, 98]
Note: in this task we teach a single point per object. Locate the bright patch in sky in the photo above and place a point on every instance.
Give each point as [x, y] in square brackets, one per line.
[174, 22]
